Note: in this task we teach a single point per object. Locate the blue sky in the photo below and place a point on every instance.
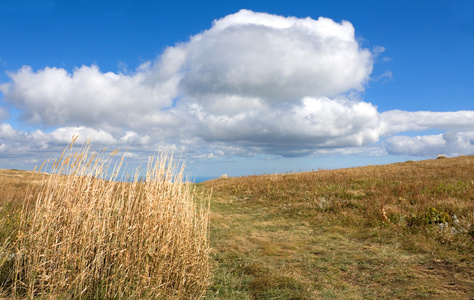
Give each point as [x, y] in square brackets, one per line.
[238, 87]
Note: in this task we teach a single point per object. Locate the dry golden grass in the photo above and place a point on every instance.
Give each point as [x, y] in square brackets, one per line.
[399, 231]
[391, 194]
[89, 236]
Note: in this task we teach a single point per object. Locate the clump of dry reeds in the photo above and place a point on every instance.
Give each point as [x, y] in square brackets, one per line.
[92, 236]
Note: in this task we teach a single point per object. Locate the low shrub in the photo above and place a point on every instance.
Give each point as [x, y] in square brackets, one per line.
[431, 216]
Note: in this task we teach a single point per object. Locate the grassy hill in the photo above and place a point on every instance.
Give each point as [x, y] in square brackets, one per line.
[402, 231]
[399, 231]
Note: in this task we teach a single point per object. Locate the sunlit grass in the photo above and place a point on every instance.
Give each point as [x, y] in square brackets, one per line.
[87, 235]
[400, 231]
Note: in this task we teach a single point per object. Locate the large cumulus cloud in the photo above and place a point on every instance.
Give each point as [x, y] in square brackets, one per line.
[277, 59]
[252, 83]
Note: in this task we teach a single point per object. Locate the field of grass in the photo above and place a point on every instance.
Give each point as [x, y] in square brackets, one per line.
[399, 231]
[78, 233]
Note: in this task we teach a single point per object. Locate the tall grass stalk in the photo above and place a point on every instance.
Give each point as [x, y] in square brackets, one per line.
[92, 237]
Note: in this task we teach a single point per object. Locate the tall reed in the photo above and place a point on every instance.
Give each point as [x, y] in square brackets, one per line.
[90, 235]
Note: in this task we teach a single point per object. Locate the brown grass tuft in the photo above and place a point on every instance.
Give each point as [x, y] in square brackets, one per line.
[91, 237]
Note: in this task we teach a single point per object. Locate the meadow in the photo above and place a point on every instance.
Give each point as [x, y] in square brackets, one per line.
[398, 231]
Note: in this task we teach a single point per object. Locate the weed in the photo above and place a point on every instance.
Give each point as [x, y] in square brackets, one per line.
[431, 216]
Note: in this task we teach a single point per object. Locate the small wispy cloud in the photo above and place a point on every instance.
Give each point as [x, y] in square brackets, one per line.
[387, 75]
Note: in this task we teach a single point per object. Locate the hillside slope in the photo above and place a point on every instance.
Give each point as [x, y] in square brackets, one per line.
[399, 231]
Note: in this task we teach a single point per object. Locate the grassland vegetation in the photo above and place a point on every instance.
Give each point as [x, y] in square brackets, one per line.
[399, 231]
[79, 232]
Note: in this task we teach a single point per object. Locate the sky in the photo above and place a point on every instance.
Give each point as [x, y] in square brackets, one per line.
[238, 87]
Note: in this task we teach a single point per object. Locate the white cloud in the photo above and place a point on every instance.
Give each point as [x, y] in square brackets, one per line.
[386, 75]
[19, 141]
[253, 83]
[18, 148]
[132, 137]
[7, 131]
[86, 96]
[274, 58]
[395, 121]
[377, 50]
[252, 80]
[457, 139]
[314, 123]
[450, 143]
[3, 114]
[63, 135]
[419, 145]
